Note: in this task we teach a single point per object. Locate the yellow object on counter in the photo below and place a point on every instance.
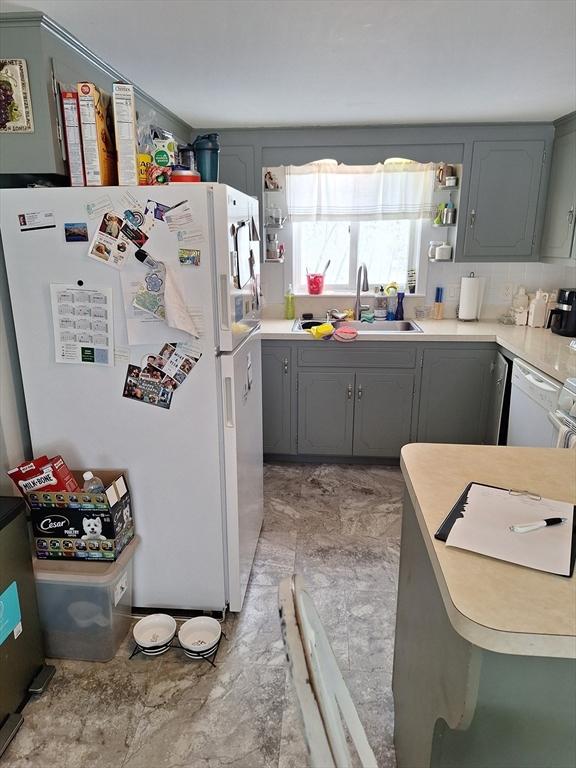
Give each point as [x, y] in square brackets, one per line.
[391, 289]
[322, 331]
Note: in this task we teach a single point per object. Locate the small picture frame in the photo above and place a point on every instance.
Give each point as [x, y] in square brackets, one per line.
[15, 103]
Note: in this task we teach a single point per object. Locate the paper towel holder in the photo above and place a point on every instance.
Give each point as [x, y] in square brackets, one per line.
[472, 298]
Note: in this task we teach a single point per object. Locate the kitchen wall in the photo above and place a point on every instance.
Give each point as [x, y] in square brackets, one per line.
[502, 281]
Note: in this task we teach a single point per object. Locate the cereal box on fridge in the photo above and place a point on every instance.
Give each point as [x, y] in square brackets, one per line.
[97, 136]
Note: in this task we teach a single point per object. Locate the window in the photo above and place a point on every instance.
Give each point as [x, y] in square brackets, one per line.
[351, 215]
[388, 248]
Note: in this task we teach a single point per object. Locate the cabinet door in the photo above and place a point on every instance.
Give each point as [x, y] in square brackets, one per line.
[455, 395]
[276, 398]
[382, 413]
[504, 190]
[557, 237]
[498, 390]
[325, 412]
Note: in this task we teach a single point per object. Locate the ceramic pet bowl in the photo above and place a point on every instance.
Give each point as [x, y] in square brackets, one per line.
[199, 635]
[154, 633]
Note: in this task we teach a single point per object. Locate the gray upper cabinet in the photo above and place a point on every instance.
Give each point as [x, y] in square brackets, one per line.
[325, 412]
[277, 398]
[237, 168]
[505, 181]
[559, 219]
[382, 413]
[455, 394]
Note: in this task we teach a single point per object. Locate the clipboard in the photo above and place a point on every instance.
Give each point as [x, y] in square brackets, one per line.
[457, 512]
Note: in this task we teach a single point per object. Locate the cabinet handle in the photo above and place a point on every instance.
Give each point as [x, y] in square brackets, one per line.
[349, 391]
[360, 392]
[472, 217]
[570, 216]
[285, 365]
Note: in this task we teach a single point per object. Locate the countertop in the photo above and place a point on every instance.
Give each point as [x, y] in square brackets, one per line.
[540, 347]
[493, 604]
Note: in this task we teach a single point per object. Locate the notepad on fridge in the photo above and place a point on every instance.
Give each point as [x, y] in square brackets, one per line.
[480, 522]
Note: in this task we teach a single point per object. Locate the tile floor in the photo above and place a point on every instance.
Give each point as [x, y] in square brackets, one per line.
[337, 525]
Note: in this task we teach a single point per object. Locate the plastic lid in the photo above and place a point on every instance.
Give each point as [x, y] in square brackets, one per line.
[88, 475]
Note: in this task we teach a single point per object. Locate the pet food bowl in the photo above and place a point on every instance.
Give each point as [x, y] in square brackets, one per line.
[86, 614]
[154, 633]
[199, 635]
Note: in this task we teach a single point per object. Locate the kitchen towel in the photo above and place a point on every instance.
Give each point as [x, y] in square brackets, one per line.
[159, 295]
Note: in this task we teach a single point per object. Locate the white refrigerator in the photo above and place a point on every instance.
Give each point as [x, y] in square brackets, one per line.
[195, 467]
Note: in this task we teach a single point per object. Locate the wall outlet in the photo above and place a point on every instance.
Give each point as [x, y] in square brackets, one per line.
[507, 291]
[452, 292]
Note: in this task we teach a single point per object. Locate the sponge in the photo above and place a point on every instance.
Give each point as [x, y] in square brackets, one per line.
[367, 317]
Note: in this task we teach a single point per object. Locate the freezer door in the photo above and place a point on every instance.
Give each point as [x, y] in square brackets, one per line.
[172, 456]
[242, 414]
[236, 233]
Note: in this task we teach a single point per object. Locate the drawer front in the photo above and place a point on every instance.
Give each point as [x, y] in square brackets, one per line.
[377, 355]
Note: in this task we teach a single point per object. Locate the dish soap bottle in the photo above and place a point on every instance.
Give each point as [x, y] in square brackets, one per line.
[380, 304]
[289, 304]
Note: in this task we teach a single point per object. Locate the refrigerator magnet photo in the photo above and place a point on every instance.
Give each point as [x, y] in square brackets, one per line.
[189, 256]
[108, 244]
[15, 104]
[76, 232]
[146, 390]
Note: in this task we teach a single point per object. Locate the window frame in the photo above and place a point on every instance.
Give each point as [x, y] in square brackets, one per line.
[414, 257]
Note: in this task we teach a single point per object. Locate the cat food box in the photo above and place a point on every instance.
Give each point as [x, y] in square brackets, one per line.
[82, 526]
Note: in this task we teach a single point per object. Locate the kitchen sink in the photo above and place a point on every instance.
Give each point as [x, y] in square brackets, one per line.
[378, 326]
[382, 326]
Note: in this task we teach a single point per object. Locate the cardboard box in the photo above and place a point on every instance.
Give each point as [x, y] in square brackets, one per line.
[97, 136]
[73, 137]
[125, 133]
[81, 526]
[43, 474]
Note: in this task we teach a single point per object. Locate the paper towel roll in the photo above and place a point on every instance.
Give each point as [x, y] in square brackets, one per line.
[471, 294]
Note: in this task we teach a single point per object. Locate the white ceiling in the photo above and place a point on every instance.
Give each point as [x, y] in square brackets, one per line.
[223, 63]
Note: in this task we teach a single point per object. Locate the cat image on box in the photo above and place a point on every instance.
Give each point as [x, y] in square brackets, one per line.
[92, 528]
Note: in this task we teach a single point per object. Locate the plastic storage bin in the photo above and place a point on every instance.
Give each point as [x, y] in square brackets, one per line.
[85, 607]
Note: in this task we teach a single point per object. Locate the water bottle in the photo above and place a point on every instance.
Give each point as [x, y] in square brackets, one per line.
[92, 484]
[206, 149]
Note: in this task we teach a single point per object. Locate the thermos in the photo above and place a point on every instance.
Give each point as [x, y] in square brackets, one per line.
[206, 150]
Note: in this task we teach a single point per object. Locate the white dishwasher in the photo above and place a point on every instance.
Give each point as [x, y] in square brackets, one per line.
[532, 397]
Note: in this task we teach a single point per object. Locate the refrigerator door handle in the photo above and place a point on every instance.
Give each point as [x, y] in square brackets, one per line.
[224, 302]
[229, 403]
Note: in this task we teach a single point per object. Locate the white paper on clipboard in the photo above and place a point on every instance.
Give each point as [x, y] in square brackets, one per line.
[488, 514]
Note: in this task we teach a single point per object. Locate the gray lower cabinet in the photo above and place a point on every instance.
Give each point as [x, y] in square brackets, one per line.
[277, 398]
[503, 201]
[382, 412]
[325, 412]
[559, 219]
[455, 395]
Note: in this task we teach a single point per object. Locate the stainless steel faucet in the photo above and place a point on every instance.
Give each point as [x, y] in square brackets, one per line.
[358, 307]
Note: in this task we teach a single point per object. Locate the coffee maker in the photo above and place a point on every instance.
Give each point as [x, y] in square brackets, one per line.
[562, 318]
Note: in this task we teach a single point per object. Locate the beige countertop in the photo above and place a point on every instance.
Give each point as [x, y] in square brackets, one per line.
[543, 349]
[493, 604]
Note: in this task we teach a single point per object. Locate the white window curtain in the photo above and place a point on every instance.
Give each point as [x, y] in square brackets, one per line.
[329, 191]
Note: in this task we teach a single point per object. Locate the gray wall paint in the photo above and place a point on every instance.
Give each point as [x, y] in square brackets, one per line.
[36, 38]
